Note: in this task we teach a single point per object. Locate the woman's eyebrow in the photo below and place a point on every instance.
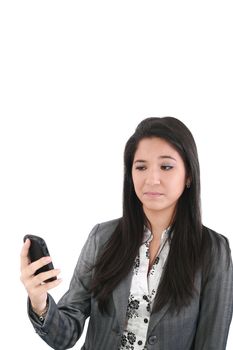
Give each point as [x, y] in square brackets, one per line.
[165, 156]
[140, 161]
[160, 157]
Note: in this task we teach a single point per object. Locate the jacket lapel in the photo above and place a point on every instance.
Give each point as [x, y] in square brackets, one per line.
[156, 317]
[120, 298]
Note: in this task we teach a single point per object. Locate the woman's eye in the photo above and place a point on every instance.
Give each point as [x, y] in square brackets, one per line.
[140, 168]
[166, 167]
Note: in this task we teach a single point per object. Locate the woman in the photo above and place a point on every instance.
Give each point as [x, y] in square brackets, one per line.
[156, 278]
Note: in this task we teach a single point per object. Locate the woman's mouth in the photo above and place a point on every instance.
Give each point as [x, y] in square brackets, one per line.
[153, 194]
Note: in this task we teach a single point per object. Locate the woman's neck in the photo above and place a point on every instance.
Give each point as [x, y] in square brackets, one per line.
[159, 221]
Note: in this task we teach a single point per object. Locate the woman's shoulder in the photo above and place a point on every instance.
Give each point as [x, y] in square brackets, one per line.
[108, 225]
[216, 246]
[101, 232]
[217, 239]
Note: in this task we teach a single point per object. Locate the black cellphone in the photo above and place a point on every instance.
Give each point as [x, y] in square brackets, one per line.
[37, 250]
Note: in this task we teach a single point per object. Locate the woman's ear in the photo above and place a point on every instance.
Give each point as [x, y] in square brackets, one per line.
[188, 182]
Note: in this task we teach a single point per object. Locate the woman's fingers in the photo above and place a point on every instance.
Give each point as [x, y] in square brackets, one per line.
[36, 284]
[29, 270]
[43, 276]
[24, 254]
[36, 265]
[25, 262]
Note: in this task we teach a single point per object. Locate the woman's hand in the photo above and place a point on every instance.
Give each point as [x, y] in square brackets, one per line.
[34, 284]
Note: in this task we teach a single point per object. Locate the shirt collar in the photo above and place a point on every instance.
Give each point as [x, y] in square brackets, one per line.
[148, 236]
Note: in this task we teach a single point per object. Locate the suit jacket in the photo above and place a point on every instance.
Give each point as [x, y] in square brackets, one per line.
[203, 325]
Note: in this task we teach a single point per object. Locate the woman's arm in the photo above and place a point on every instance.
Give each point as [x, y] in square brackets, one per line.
[216, 301]
[64, 322]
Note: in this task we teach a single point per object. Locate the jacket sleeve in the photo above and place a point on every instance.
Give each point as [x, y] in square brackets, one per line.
[216, 303]
[64, 322]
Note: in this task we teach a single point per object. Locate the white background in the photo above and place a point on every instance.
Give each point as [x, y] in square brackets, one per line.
[76, 77]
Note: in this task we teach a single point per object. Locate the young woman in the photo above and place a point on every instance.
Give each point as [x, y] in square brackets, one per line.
[156, 278]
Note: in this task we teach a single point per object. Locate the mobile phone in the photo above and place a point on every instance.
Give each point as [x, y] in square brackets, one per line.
[37, 250]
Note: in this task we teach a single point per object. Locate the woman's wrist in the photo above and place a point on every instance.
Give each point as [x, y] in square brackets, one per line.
[41, 312]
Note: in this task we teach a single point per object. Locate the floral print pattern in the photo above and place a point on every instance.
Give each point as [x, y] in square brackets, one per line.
[133, 306]
[144, 286]
[136, 265]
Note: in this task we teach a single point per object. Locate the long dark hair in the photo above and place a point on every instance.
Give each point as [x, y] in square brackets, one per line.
[117, 258]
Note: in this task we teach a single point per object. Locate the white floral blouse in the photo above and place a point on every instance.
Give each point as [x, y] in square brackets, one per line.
[144, 286]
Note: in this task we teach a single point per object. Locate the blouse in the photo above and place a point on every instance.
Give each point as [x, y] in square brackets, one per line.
[143, 289]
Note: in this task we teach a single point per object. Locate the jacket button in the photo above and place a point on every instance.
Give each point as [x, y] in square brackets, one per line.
[117, 331]
[152, 340]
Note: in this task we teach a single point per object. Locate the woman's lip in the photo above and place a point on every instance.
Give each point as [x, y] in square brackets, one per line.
[153, 194]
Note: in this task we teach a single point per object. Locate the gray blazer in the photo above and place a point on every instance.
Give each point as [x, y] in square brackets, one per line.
[203, 325]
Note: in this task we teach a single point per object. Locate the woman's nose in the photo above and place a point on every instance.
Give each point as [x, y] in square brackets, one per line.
[153, 177]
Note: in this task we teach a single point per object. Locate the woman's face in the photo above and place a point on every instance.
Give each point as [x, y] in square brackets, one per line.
[159, 175]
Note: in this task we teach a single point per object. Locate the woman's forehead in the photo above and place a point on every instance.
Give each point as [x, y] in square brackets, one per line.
[156, 146]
